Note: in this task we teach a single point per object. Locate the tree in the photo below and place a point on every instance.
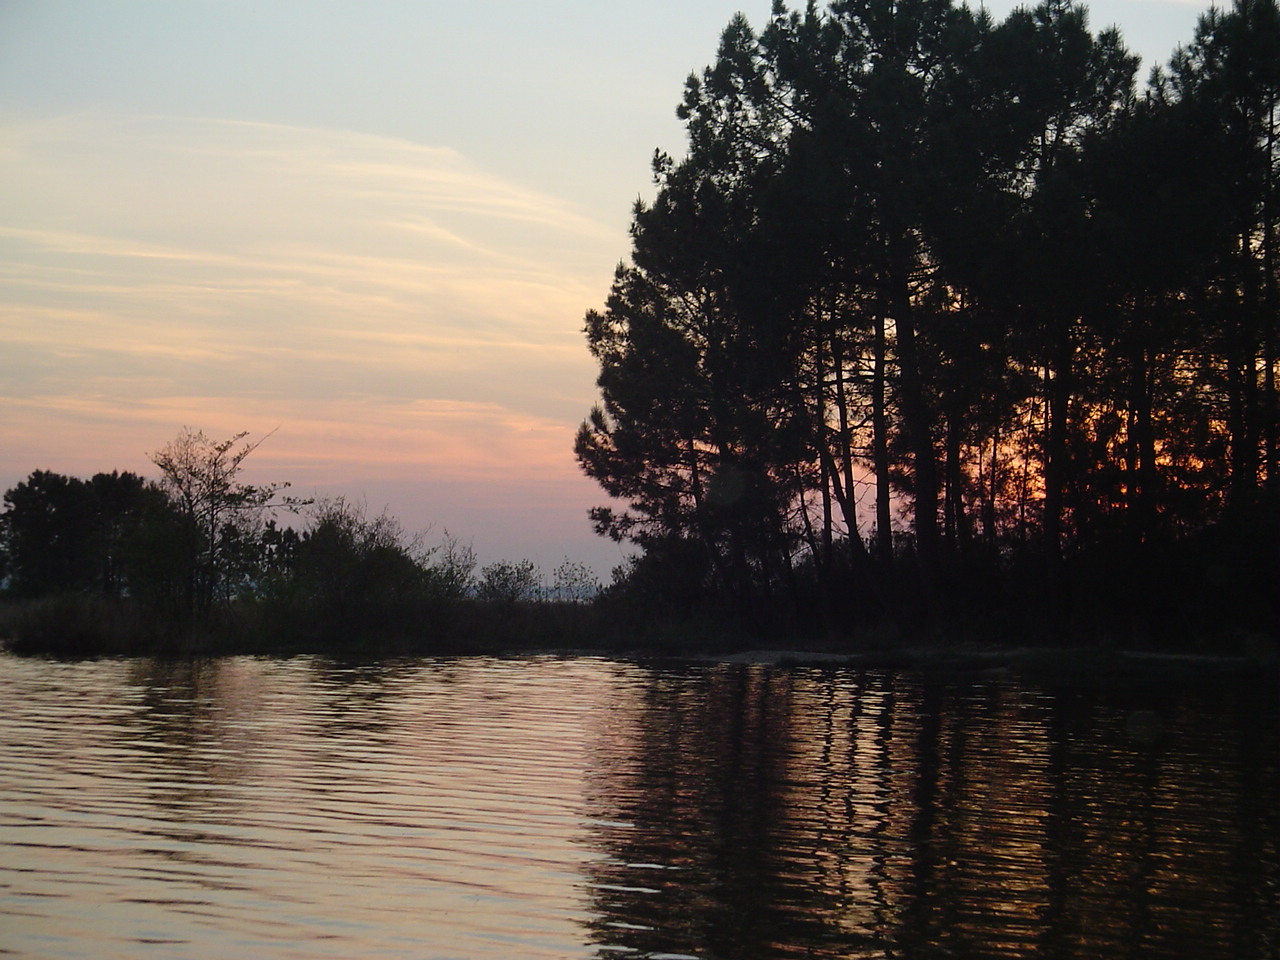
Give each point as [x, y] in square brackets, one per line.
[574, 582]
[351, 572]
[49, 524]
[961, 261]
[766, 281]
[218, 517]
[1227, 81]
[64, 534]
[696, 430]
[508, 583]
[451, 568]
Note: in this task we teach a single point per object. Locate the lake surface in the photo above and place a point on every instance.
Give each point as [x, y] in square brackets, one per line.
[590, 808]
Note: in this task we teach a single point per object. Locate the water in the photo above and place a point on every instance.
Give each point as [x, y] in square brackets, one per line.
[589, 808]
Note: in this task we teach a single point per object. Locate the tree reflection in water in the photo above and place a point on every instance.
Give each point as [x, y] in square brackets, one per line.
[761, 812]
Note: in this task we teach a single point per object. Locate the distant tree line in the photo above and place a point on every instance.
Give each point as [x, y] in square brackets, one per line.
[940, 310]
[199, 548]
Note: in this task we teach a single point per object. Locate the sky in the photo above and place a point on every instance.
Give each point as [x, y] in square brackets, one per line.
[371, 227]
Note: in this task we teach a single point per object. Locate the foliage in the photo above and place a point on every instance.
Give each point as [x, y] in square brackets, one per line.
[362, 578]
[964, 266]
[574, 582]
[62, 534]
[346, 558]
[507, 582]
[198, 563]
[217, 519]
[451, 568]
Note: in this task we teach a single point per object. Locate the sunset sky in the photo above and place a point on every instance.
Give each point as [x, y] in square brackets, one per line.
[372, 227]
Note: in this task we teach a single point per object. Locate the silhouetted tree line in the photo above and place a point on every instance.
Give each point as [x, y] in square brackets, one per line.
[945, 314]
[201, 550]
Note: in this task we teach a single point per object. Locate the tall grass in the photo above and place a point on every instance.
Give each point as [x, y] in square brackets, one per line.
[81, 625]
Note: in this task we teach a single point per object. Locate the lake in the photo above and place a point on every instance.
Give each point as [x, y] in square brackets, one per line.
[595, 808]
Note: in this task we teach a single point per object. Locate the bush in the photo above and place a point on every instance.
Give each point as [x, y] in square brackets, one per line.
[505, 582]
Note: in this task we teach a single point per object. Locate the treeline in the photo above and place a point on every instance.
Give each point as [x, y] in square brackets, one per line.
[200, 557]
[945, 317]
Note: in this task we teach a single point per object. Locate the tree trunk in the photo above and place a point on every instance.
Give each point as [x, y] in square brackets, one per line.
[1270, 309]
[989, 534]
[1242, 404]
[1058, 376]
[880, 449]
[953, 497]
[1143, 470]
[917, 424]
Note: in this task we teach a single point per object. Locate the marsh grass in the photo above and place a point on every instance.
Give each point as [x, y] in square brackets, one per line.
[79, 625]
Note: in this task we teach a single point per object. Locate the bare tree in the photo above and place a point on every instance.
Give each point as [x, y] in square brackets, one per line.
[219, 515]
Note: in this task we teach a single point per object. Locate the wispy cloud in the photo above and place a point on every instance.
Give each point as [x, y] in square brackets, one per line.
[396, 309]
[370, 435]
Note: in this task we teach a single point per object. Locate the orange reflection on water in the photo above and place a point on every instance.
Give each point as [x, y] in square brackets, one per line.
[828, 813]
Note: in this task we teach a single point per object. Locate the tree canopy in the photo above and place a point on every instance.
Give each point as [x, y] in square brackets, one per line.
[930, 290]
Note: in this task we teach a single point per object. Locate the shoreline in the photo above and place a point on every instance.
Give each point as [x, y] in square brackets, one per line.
[1079, 669]
[964, 654]
[79, 628]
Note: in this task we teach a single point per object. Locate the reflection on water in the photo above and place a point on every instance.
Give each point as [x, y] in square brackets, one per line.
[589, 808]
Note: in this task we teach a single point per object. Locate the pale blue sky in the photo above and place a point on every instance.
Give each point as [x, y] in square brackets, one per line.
[374, 225]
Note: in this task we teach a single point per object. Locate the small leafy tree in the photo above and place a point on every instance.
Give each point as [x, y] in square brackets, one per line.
[349, 561]
[574, 582]
[355, 577]
[451, 568]
[506, 582]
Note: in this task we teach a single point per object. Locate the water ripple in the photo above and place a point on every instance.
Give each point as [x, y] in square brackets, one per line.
[588, 808]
